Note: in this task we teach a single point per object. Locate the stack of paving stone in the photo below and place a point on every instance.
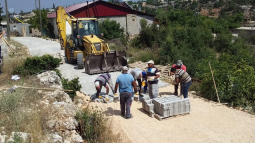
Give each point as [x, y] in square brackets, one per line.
[166, 106]
[171, 105]
[148, 106]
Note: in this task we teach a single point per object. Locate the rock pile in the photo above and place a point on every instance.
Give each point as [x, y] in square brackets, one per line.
[59, 56]
[164, 70]
[50, 78]
[82, 100]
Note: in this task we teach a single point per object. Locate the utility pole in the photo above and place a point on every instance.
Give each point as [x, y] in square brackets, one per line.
[35, 4]
[7, 19]
[40, 17]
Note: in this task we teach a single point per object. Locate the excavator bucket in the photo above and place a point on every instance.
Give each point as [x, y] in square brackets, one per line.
[105, 62]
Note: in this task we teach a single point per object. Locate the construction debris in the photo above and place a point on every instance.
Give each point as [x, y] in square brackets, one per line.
[166, 106]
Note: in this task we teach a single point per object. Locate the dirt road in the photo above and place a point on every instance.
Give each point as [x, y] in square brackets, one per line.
[207, 123]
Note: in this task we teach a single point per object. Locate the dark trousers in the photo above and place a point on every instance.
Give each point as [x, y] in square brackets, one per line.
[125, 102]
[176, 89]
[185, 88]
[139, 85]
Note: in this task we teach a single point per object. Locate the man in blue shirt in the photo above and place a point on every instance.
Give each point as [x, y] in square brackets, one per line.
[126, 83]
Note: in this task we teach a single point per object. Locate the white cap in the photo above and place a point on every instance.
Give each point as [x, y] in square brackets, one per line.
[125, 68]
[97, 84]
[150, 62]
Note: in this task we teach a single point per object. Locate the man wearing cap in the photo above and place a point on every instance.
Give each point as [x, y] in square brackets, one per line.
[137, 74]
[101, 81]
[125, 82]
[178, 65]
[184, 78]
[152, 77]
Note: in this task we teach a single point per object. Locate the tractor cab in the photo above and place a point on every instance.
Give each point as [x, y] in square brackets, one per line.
[83, 27]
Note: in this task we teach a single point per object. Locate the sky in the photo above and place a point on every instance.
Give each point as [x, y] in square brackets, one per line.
[29, 5]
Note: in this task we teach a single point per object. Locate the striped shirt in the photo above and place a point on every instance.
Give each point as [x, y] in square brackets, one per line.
[151, 73]
[103, 78]
[183, 76]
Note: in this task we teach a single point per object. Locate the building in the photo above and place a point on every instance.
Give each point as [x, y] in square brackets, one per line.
[128, 18]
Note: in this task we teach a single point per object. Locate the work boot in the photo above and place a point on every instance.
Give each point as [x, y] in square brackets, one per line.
[176, 93]
[131, 116]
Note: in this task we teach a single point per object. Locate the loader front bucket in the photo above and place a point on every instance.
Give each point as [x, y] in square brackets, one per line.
[105, 62]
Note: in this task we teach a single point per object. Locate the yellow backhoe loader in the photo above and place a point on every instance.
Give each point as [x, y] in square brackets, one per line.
[79, 38]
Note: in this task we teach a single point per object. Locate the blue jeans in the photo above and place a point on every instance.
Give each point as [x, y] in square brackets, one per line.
[185, 88]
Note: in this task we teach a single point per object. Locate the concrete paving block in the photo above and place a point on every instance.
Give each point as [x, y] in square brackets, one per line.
[170, 106]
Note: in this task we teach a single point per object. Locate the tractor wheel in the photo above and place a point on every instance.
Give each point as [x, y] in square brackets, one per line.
[80, 61]
[69, 55]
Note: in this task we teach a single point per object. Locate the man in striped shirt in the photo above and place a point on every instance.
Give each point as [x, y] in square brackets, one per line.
[178, 65]
[101, 81]
[184, 78]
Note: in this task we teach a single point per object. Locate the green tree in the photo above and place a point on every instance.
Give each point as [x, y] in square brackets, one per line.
[35, 21]
[53, 6]
[111, 29]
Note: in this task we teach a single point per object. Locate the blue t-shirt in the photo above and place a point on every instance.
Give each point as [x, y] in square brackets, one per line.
[125, 82]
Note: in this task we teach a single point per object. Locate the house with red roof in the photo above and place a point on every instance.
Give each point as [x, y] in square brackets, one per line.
[128, 18]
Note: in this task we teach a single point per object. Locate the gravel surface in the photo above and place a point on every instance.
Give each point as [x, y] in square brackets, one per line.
[39, 46]
[207, 122]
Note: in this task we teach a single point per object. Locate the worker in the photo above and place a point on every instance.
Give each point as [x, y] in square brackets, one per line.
[137, 74]
[178, 65]
[182, 77]
[152, 77]
[101, 81]
[125, 82]
[144, 76]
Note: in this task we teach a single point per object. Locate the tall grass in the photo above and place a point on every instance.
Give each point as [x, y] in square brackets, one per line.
[19, 112]
[95, 127]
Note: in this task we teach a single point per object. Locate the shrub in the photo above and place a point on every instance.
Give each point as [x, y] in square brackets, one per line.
[111, 29]
[94, 127]
[71, 85]
[33, 65]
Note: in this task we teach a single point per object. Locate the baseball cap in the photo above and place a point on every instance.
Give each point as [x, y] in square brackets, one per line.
[97, 85]
[179, 63]
[125, 68]
[150, 62]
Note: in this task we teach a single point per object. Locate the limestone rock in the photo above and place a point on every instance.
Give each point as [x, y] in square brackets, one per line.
[2, 138]
[50, 78]
[56, 138]
[25, 136]
[76, 138]
[65, 109]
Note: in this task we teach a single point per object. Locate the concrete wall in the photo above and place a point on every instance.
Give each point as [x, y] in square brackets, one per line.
[247, 31]
[133, 23]
[119, 19]
[18, 27]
